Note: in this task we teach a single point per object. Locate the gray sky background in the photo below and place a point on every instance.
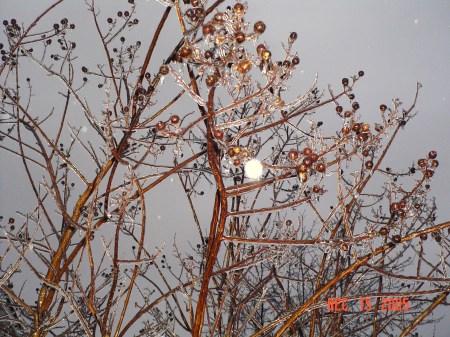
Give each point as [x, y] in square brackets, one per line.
[397, 43]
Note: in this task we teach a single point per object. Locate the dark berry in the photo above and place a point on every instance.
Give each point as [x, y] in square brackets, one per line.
[293, 36]
[383, 231]
[396, 238]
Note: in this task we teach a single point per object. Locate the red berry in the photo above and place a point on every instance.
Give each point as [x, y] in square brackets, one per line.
[293, 154]
[239, 37]
[307, 161]
[208, 28]
[208, 54]
[429, 173]
[218, 134]
[395, 206]
[321, 167]
[302, 168]
[244, 67]
[185, 52]
[383, 231]
[422, 163]
[160, 126]
[174, 119]
[239, 8]
[218, 17]
[260, 48]
[356, 127]
[307, 151]
[259, 27]
[316, 189]
[293, 36]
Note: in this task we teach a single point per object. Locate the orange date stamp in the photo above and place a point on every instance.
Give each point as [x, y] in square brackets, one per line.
[367, 304]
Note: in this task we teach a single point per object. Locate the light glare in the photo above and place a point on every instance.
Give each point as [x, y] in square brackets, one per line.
[253, 169]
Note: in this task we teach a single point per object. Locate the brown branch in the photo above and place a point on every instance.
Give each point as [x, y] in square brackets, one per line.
[425, 313]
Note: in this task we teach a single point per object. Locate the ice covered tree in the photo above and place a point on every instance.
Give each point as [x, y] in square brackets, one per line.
[290, 197]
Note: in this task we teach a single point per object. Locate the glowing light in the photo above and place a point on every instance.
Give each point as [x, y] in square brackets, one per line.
[253, 169]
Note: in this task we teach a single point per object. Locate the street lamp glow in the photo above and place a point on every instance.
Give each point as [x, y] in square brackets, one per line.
[253, 169]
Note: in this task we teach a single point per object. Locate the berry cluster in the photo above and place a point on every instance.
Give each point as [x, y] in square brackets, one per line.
[307, 162]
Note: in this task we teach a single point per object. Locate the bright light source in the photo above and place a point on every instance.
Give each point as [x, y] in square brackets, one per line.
[253, 169]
